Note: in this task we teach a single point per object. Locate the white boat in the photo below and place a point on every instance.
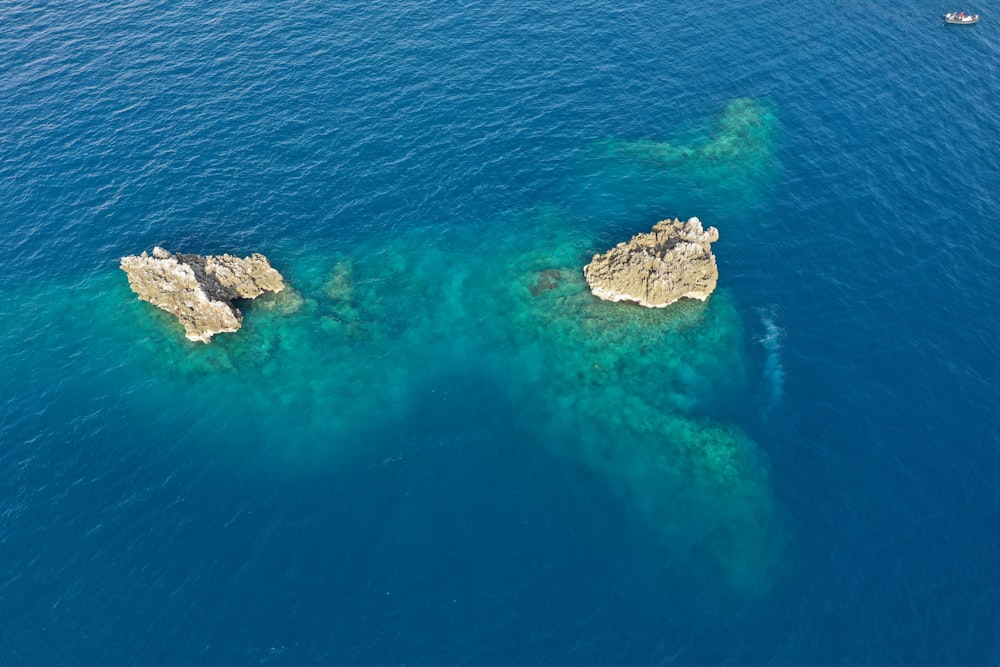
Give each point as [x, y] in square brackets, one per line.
[961, 18]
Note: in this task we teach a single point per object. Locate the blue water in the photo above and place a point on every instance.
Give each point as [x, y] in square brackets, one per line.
[425, 455]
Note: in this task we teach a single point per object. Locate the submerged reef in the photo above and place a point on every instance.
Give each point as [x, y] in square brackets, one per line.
[702, 483]
[733, 156]
[743, 134]
[199, 290]
[672, 262]
[628, 392]
[647, 402]
[636, 396]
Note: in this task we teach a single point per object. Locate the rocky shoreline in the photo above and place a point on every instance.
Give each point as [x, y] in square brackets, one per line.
[656, 269]
[199, 290]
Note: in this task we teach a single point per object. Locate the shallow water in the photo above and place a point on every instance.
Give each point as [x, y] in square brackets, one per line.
[437, 448]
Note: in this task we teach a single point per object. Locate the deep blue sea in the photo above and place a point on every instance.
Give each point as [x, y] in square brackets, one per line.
[437, 448]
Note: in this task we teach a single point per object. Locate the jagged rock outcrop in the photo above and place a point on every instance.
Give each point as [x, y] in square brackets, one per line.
[200, 290]
[656, 269]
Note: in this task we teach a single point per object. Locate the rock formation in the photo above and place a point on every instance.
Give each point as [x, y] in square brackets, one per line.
[673, 261]
[200, 290]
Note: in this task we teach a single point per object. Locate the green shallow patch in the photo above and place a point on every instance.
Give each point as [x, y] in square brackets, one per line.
[345, 355]
[700, 485]
[732, 158]
[626, 390]
[287, 387]
[688, 357]
[723, 506]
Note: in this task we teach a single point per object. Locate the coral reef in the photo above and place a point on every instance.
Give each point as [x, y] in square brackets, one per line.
[645, 400]
[626, 391]
[729, 163]
[743, 135]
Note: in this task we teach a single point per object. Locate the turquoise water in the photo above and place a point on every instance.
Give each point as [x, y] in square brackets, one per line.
[437, 447]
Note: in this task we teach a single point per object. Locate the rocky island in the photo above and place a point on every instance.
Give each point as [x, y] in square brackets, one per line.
[656, 269]
[200, 290]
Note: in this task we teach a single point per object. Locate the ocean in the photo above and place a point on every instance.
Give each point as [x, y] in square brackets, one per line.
[436, 447]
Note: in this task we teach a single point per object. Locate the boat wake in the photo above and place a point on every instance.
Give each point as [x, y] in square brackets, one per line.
[774, 372]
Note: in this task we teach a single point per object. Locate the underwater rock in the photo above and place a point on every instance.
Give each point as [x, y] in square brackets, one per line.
[286, 302]
[340, 286]
[548, 280]
[656, 269]
[199, 290]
